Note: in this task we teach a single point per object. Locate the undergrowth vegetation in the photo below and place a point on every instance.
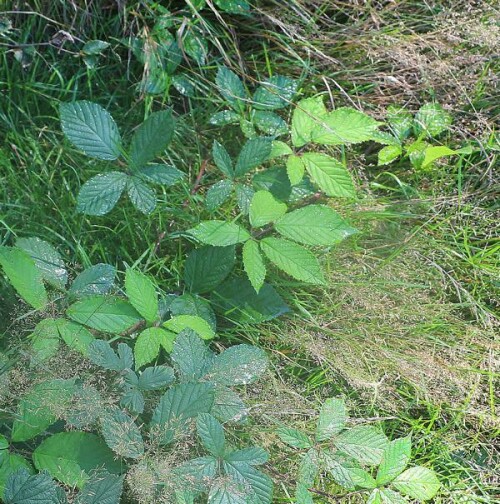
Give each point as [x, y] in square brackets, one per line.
[226, 224]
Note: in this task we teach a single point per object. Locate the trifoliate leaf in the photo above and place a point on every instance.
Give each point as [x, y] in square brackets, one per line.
[141, 195]
[149, 343]
[101, 193]
[161, 174]
[141, 293]
[211, 434]
[219, 233]
[97, 279]
[254, 264]
[418, 483]
[264, 208]
[366, 444]
[255, 152]
[394, 460]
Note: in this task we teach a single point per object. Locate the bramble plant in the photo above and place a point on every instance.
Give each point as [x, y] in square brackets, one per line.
[357, 458]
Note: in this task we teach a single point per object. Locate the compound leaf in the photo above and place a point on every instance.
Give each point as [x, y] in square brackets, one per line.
[141, 293]
[332, 419]
[231, 88]
[101, 488]
[122, 434]
[180, 322]
[155, 377]
[222, 159]
[101, 193]
[219, 233]
[254, 264]
[218, 194]
[259, 485]
[24, 488]
[253, 154]
[141, 195]
[211, 434]
[264, 208]
[294, 438]
[161, 174]
[418, 483]
[97, 279]
[274, 93]
[394, 460]
[149, 342]
[365, 444]
[306, 116]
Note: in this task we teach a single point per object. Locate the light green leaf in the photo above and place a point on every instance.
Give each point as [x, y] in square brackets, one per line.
[218, 194]
[101, 488]
[151, 137]
[332, 419]
[45, 340]
[238, 365]
[330, 175]
[366, 444]
[104, 313]
[255, 152]
[274, 93]
[314, 225]
[46, 259]
[178, 404]
[293, 259]
[231, 88]
[270, 123]
[95, 47]
[24, 276]
[219, 233]
[294, 438]
[388, 154]
[141, 195]
[24, 488]
[265, 209]
[206, 267]
[222, 159]
[97, 279]
[431, 120]
[344, 126]
[180, 322]
[141, 293]
[187, 304]
[74, 335]
[306, 116]
[161, 174]
[91, 128]
[38, 409]
[295, 169]
[254, 264]
[122, 434]
[211, 434]
[400, 121]
[394, 460]
[224, 117]
[101, 193]
[439, 151]
[418, 483]
[70, 457]
[149, 342]
[302, 495]
[279, 149]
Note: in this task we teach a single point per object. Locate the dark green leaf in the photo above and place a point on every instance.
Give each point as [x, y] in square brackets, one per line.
[191, 356]
[122, 434]
[188, 304]
[222, 159]
[160, 174]
[23, 488]
[156, 377]
[101, 193]
[211, 434]
[255, 152]
[218, 194]
[101, 354]
[274, 93]
[97, 279]
[270, 123]
[141, 195]
[102, 488]
[231, 88]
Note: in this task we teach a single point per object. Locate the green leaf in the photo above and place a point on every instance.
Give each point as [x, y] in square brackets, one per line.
[253, 154]
[24, 276]
[314, 225]
[237, 300]
[227, 492]
[258, 484]
[91, 128]
[194, 476]
[106, 314]
[279, 149]
[46, 259]
[97, 279]
[70, 457]
[400, 121]
[294, 438]
[274, 93]
[211, 434]
[161, 174]
[149, 342]
[231, 88]
[270, 123]
[431, 120]
[188, 304]
[228, 406]
[418, 483]
[234, 6]
[101, 193]
[45, 340]
[346, 473]
[101, 488]
[222, 159]
[207, 267]
[332, 419]
[141, 293]
[133, 400]
[254, 456]
[295, 169]
[293, 259]
[254, 264]
[344, 126]
[219, 233]
[244, 195]
[180, 322]
[155, 377]
[238, 365]
[224, 117]
[151, 137]
[141, 195]
[305, 118]
[178, 404]
[439, 151]
[309, 468]
[366, 444]
[394, 460]
[191, 356]
[11, 463]
[388, 154]
[24, 488]
[194, 44]
[218, 194]
[330, 175]
[95, 47]
[101, 354]
[274, 180]
[302, 495]
[122, 434]
[265, 209]
[37, 410]
[386, 496]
